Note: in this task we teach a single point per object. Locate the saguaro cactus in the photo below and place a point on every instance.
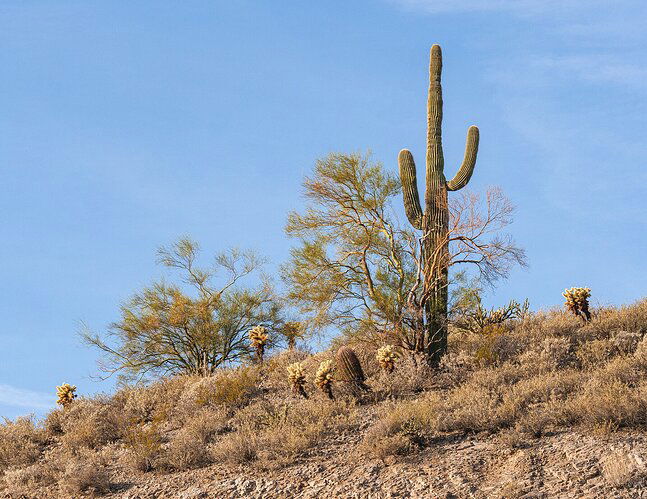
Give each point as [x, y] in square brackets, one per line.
[434, 220]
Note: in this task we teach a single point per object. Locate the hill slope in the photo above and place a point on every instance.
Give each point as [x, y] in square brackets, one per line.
[547, 406]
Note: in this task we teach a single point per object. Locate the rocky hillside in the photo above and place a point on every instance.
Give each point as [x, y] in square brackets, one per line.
[544, 406]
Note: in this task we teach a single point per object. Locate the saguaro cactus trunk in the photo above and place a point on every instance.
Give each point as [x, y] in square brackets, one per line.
[434, 220]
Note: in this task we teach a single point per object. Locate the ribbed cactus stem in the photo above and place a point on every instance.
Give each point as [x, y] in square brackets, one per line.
[349, 368]
[434, 220]
[464, 173]
[410, 188]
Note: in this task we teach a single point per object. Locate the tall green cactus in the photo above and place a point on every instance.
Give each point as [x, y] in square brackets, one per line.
[434, 220]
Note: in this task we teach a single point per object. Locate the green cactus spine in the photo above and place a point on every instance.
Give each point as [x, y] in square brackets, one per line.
[434, 220]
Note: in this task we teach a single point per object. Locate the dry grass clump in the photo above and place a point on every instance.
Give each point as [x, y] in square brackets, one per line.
[239, 447]
[84, 474]
[158, 401]
[21, 442]
[621, 469]
[411, 377]
[144, 446]
[232, 388]
[91, 423]
[22, 481]
[403, 428]
[189, 446]
[277, 433]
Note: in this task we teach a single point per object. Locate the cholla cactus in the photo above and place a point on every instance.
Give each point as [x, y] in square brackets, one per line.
[258, 338]
[577, 301]
[65, 394]
[387, 357]
[324, 377]
[297, 378]
[481, 320]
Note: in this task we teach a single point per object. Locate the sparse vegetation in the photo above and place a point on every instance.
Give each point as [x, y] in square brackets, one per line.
[551, 372]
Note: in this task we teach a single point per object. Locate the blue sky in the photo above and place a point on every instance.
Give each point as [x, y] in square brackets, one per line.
[124, 125]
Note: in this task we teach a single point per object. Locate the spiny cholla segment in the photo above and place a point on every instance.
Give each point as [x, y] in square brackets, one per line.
[387, 357]
[297, 378]
[577, 301]
[65, 394]
[324, 377]
[258, 337]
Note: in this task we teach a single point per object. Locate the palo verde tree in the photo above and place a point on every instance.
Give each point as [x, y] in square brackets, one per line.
[355, 268]
[192, 327]
[352, 267]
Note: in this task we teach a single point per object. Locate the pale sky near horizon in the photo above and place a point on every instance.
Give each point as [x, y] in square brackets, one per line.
[124, 125]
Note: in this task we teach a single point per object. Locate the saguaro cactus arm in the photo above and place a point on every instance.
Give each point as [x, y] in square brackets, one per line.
[410, 188]
[464, 173]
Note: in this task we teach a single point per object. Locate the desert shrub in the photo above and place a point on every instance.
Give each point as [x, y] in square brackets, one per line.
[495, 346]
[84, 474]
[284, 431]
[629, 318]
[402, 428]
[626, 342]
[53, 423]
[90, 424]
[188, 448]
[232, 388]
[21, 442]
[593, 354]
[239, 447]
[544, 324]
[608, 400]
[526, 399]
[556, 353]
[186, 451]
[157, 401]
[144, 446]
[469, 408]
[621, 469]
[24, 481]
[412, 376]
